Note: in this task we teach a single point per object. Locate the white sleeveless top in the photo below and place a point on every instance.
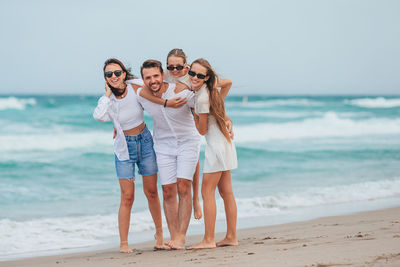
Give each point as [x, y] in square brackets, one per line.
[129, 111]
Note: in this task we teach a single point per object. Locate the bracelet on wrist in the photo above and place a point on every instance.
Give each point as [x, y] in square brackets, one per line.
[165, 103]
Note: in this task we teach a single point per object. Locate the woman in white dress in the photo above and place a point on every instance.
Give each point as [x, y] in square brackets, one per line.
[220, 153]
[177, 71]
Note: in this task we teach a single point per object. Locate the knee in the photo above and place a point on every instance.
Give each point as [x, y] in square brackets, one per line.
[207, 191]
[184, 189]
[151, 194]
[225, 193]
[127, 200]
[168, 194]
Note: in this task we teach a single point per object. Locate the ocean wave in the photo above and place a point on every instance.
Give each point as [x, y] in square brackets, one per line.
[16, 103]
[379, 102]
[39, 235]
[293, 115]
[316, 196]
[51, 141]
[330, 125]
[302, 102]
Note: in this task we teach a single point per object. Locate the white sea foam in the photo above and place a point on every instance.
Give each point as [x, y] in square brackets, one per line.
[39, 235]
[330, 125]
[316, 196]
[379, 102]
[292, 115]
[52, 141]
[16, 103]
[302, 102]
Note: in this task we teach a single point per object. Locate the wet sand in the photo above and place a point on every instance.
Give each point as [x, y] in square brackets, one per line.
[364, 239]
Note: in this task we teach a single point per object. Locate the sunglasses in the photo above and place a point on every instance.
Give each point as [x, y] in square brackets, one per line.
[179, 67]
[199, 75]
[109, 74]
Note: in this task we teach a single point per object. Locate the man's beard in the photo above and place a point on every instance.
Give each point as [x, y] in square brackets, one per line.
[155, 91]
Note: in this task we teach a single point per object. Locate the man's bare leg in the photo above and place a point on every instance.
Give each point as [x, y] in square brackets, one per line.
[196, 201]
[226, 192]
[209, 184]
[184, 213]
[170, 204]
[124, 214]
[150, 190]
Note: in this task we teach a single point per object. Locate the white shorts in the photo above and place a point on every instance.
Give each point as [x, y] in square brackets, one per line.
[182, 165]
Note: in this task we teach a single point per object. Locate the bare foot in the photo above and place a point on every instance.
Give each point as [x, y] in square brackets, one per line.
[197, 209]
[159, 242]
[125, 249]
[227, 242]
[203, 245]
[176, 244]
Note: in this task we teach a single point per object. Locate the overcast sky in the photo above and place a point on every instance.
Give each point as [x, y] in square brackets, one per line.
[264, 47]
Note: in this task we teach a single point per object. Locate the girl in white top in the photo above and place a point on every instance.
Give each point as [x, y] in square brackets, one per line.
[220, 154]
[177, 71]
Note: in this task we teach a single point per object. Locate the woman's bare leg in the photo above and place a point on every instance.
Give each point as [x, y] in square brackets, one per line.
[196, 201]
[226, 192]
[210, 182]
[124, 214]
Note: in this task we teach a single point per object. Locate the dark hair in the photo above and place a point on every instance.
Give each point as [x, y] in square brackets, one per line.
[151, 63]
[217, 106]
[128, 76]
[177, 52]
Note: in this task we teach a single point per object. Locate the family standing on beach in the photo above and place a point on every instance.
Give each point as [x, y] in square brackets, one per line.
[183, 102]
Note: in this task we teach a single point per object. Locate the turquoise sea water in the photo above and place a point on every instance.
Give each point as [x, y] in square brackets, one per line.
[299, 157]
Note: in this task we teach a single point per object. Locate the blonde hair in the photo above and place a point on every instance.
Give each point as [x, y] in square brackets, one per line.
[177, 52]
[217, 106]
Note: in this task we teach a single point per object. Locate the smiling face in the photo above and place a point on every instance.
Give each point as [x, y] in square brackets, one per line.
[153, 78]
[114, 81]
[194, 80]
[177, 61]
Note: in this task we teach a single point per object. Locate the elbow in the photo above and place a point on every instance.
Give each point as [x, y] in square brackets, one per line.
[98, 117]
[203, 131]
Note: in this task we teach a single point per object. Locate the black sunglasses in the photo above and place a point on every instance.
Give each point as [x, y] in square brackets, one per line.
[171, 67]
[109, 74]
[199, 75]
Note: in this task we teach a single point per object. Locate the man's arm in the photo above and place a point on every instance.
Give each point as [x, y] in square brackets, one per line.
[171, 103]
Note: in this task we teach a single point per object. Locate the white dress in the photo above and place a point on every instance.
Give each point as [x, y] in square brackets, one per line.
[220, 155]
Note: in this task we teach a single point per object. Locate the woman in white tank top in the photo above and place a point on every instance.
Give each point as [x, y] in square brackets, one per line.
[133, 145]
[177, 71]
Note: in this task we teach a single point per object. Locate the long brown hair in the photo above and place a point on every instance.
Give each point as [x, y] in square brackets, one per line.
[217, 106]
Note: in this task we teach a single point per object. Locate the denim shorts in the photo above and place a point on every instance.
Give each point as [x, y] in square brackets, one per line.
[141, 153]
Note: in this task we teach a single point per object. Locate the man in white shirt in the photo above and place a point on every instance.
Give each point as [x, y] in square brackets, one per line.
[177, 147]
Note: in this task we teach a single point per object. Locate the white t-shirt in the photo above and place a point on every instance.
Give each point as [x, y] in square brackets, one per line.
[172, 126]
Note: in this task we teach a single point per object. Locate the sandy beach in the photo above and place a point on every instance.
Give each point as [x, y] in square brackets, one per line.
[363, 239]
